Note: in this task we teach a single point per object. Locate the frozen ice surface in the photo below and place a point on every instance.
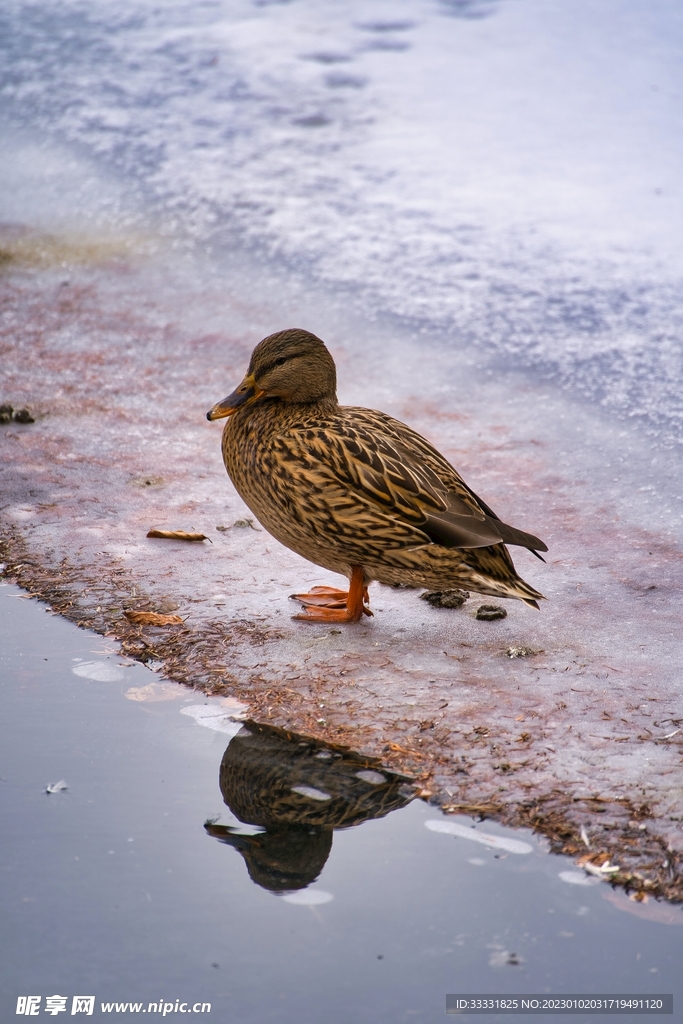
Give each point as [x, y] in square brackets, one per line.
[510, 172]
[452, 828]
[100, 672]
[308, 897]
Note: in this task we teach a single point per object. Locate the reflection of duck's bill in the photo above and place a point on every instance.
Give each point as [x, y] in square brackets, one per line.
[226, 834]
[279, 860]
[247, 392]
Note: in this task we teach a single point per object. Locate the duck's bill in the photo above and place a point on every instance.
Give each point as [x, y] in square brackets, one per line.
[247, 392]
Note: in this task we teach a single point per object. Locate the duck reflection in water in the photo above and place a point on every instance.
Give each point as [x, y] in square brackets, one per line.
[299, 790]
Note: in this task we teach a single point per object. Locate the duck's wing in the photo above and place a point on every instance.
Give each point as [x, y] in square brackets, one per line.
[402, 474]
[446, 477]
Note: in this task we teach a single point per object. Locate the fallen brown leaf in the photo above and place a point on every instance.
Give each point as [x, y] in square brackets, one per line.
[593, 858]
[153, 619]
[177, 535]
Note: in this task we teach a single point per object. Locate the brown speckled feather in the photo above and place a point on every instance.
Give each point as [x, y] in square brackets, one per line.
[347, 486]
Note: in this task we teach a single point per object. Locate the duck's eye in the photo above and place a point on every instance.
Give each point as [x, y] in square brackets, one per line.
[280, 361]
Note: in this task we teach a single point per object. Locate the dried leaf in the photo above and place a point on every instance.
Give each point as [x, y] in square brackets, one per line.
[153, 619]
[177, 535]
[597, 859]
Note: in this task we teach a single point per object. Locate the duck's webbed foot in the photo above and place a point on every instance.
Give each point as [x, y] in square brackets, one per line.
[328, 604]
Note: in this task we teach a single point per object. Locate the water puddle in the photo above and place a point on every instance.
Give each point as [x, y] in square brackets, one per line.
[161, 848]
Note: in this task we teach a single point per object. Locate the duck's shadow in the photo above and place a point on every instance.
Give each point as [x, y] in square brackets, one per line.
[298, 790]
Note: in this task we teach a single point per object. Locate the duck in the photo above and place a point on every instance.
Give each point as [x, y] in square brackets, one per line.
[299, 790]
[356, 491]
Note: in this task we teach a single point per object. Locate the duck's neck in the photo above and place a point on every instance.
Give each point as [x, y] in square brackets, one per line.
[271, 414]
[321, 407]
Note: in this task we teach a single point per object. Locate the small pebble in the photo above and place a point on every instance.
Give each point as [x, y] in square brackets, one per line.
[489, 612]
[445, 598]
[23, 416]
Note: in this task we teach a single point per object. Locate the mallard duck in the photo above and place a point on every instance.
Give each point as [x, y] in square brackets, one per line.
[354, 490]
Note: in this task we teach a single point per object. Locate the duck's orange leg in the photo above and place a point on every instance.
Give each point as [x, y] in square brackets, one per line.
[327, 604]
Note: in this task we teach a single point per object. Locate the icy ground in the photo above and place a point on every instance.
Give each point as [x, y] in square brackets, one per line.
[478, 206]
[508, 170]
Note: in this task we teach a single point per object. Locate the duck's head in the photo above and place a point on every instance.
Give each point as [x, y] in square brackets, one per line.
[292, 366]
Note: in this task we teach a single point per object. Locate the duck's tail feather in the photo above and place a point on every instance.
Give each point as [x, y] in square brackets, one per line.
[514, 587]
[510, 535]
